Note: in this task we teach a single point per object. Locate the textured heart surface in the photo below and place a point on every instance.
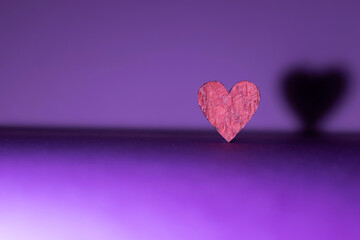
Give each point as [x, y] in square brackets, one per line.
[230, 111]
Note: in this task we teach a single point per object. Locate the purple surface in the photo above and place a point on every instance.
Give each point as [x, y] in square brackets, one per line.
[141, 63]
[67, 184]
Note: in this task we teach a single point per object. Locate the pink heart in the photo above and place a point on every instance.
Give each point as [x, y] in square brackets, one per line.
[229, 112]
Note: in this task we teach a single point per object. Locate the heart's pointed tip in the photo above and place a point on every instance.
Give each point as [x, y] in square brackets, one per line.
[228, 139]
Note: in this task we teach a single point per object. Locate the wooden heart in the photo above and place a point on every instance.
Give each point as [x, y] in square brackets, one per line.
[229, 112]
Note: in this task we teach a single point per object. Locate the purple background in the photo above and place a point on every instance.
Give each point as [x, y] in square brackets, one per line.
[140, 63]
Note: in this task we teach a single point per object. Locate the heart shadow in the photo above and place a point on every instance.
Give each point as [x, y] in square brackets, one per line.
[312, 94]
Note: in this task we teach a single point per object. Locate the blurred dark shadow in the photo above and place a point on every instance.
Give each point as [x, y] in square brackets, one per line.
[313, 94]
